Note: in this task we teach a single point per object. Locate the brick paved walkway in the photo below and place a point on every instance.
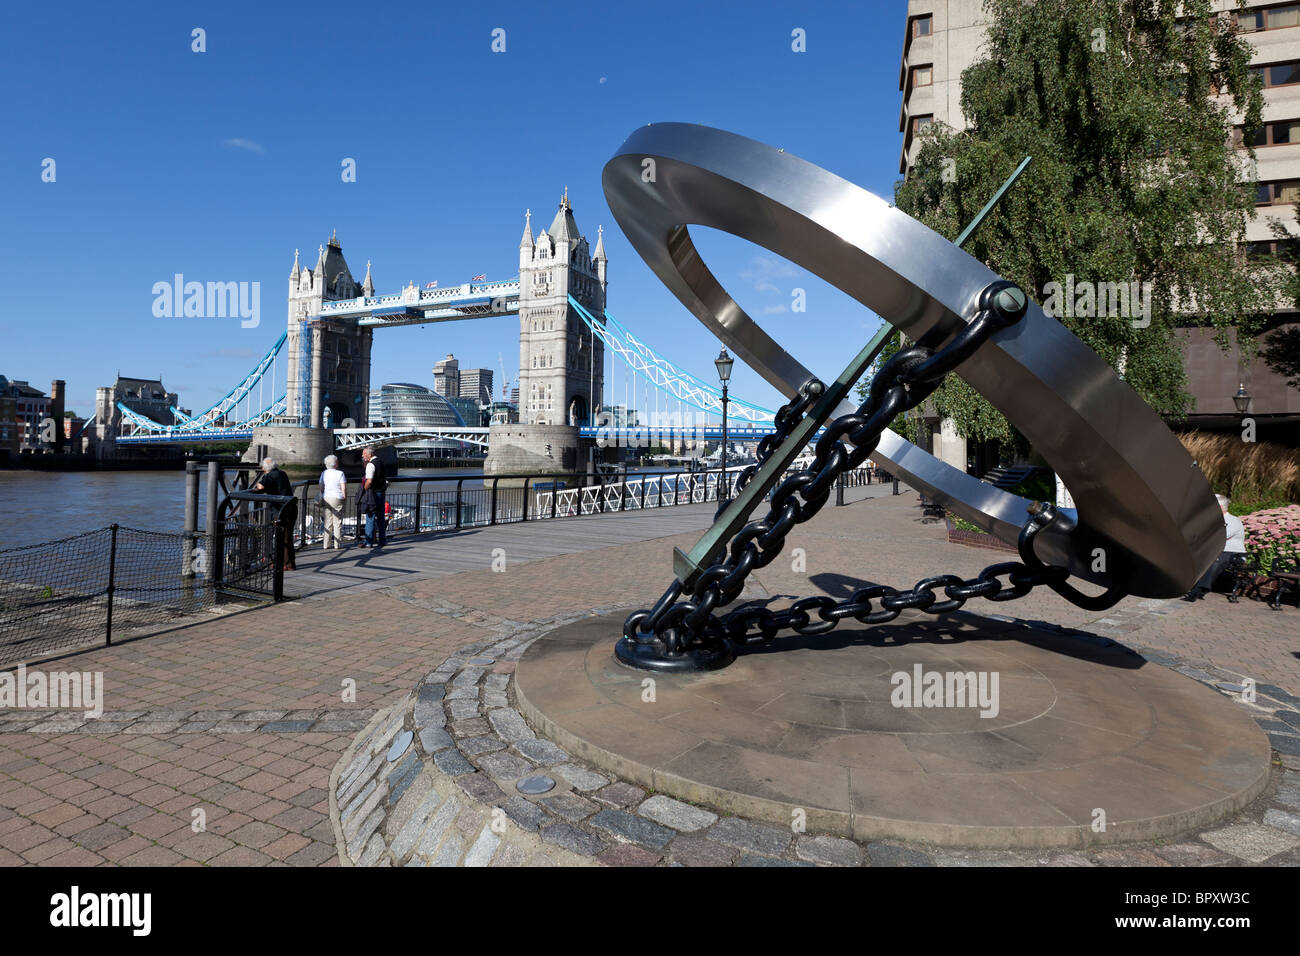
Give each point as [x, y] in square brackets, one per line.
[211, 717]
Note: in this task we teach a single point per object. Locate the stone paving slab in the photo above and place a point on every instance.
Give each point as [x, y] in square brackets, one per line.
[1075, 726]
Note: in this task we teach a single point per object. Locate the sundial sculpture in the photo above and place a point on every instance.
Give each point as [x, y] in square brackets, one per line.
[1145, 521]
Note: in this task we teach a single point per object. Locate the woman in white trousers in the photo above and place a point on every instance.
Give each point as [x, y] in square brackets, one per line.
[334, 493]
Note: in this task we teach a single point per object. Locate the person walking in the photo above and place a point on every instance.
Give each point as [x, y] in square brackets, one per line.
[334, 492]
[276, 482]
[374, 487]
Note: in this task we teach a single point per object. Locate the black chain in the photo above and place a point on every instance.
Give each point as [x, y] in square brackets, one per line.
[904, 382]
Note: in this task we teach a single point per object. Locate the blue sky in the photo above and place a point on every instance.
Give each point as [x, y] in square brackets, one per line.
[219, 164]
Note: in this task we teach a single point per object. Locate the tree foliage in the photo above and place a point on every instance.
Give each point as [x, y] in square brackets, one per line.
[1282, 353]
[1127, 108]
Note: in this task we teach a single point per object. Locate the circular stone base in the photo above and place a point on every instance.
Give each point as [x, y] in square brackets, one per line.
[1082, 743]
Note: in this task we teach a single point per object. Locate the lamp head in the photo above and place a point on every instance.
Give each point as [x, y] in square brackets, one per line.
[723, 364]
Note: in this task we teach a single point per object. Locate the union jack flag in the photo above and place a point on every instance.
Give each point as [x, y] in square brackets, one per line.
[479, 278]
[431, 285]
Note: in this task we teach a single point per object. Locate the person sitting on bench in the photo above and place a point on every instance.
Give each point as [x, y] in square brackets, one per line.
[1235, 547]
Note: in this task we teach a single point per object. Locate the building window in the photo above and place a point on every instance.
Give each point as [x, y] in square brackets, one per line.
[922, 75]
[1281, 133]
[920, 122]
[1259, 250]
[1269, 18]
[1278, 193]
[921, 26]
[1278, 74]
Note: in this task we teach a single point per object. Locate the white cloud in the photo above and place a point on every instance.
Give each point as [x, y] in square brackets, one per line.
[772, 309]
[763, 272]
[247, 144]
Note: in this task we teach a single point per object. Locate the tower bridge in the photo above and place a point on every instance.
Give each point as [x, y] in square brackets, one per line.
[559, 295]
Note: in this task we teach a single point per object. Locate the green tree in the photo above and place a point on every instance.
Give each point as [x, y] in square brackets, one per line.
[1128, 108]
[1282, 354]
[1281, 347]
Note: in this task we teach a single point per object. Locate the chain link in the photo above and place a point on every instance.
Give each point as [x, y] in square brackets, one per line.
[902, 383]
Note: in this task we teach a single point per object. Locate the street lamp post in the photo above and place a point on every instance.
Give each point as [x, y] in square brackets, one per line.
[723, 364]
[1242, 399]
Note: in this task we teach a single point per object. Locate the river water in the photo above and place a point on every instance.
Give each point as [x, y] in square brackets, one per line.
[40, 506]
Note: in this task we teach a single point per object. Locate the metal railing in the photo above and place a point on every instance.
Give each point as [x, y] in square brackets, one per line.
[419, 505]
[63, 595]
[248, 543]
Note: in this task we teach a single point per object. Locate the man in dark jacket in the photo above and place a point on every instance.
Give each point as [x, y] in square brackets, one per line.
[374, 487]
[276, 482]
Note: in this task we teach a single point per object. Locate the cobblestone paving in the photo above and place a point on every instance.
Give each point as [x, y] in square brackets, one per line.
[393, 805]
[71, 795]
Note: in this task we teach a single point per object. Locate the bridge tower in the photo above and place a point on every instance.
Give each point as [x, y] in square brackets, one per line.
[561, 370]
[561, 364]
[329, 363]
[329, 359]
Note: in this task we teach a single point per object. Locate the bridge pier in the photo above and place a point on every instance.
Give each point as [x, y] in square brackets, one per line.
[295, 448]
[535, 449]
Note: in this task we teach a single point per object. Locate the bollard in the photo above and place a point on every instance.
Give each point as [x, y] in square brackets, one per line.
[277, 579]
[191, 519]
[839, 491]
[212, 562]
[895, 486]
[112, 576]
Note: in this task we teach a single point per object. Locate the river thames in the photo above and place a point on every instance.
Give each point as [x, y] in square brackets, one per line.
[44, 506]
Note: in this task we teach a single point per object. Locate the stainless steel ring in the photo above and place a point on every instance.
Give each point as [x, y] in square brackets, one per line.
[1140, 498]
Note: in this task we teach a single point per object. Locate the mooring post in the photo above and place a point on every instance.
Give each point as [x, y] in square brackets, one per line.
[210, 562]
[277, 573]
[191, 519]
[112, 577]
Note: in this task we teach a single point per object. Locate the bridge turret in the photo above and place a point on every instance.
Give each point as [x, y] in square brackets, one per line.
[526, 243]
[598, 258]
[368, 286]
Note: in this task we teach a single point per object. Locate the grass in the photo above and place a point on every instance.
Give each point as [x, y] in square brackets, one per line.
[961, 524]
[1255, 475]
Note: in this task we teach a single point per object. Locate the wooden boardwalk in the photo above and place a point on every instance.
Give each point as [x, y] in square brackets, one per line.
[408, 557]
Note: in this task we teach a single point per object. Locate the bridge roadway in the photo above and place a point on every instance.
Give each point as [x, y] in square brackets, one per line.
[434, 554]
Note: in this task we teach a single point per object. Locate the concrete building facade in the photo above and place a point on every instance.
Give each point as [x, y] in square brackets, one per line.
[476, 383]
[32, 408]
[943, 37]
[446, 377]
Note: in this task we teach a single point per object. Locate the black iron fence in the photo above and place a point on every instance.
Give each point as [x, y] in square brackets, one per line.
[415, 505]
[78, 591]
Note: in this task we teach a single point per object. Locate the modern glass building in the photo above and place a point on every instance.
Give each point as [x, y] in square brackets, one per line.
[402, 404]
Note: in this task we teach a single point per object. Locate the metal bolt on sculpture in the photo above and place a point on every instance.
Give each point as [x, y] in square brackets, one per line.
[1139, 496]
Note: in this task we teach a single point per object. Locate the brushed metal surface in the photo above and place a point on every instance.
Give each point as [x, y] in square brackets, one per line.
[1139, 495]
